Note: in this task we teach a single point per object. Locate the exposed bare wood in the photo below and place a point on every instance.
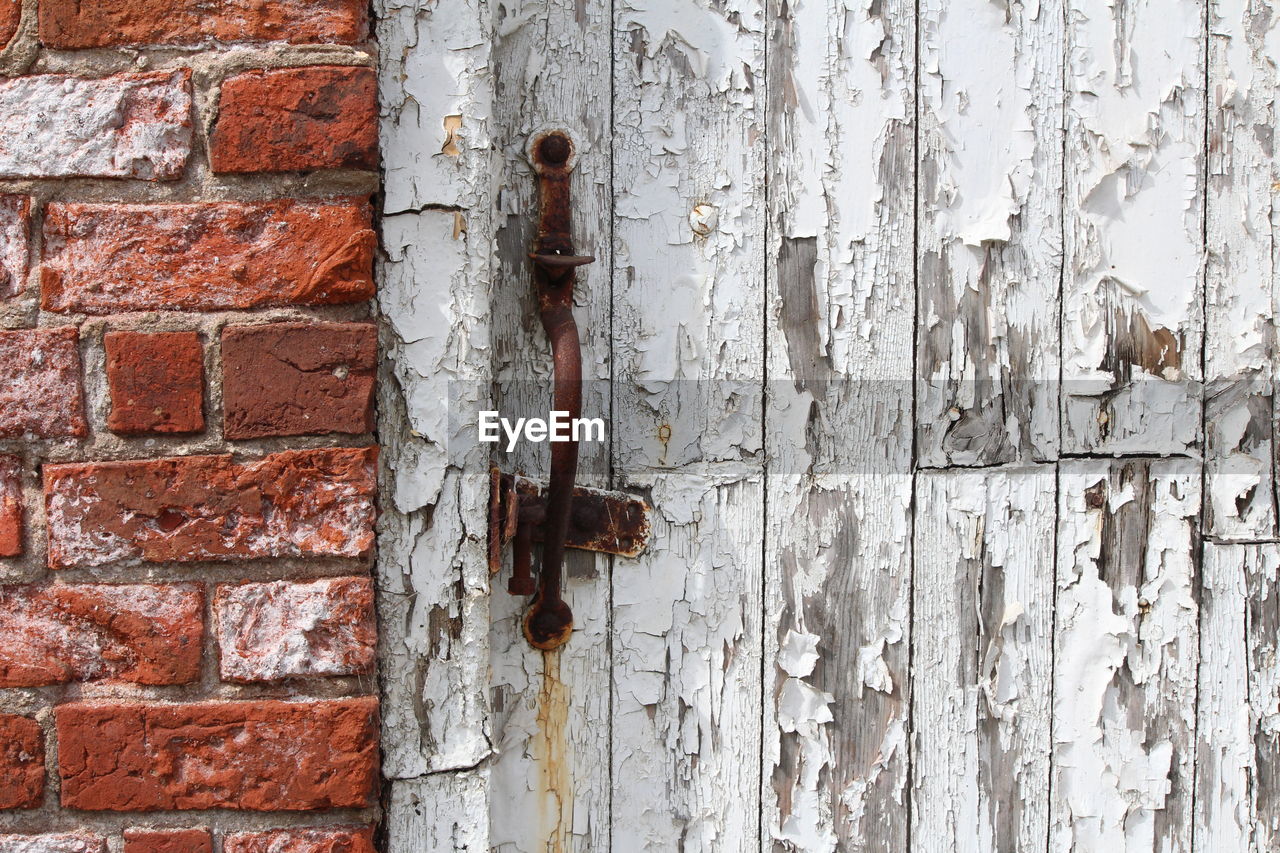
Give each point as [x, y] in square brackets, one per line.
[689, 184]
[877, 611]
[1262, 637]
[1241, 292]
[1125, 650]
[1134, 208]
[444, 812]
[551, 67]
[982, 637]
[840, 326]
[433, 302]
[1238, 742]
[990, 259]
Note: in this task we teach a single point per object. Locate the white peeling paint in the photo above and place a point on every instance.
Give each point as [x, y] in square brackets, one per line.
[981, 669]
[1240, 274]
[895, 623]
[1134, 220]
[442, 812]
[688, 342]
[434, 301]
[1125, 657]
[990, 246]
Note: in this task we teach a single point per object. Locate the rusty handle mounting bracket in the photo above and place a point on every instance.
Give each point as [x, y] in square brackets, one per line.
[565, 516]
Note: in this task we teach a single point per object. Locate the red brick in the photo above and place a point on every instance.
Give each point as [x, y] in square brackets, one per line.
[40, 390]
[298, 379]
[10, 16]
[109, 258]
[156, 381]
[122, 126]
[297, 119]
[10, 506]
[21, 763]
[296, 503]
[168, 841]
[112, 23]
[62, 842]
[272, 631]
[15, 233]
[343, 839]
[138, 633]
[260, 756]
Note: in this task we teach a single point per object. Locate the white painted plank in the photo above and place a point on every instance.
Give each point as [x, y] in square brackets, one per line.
[687, 668]
[990, 239]
[982, 642]
[1134, 203]
[688, 145]
[1240, 276]
[433, 304]
[433, 576]
[1224, 738]
[552, 68]
[840, 326]
[1238, 743]
[1262, 635]
[435, 84]
[438, 814]
[1125, 655]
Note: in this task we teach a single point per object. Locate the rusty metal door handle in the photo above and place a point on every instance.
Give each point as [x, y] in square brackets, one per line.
[549, 621]
[563, 515]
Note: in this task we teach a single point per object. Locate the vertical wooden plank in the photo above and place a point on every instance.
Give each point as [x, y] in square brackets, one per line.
[990, 253]
[687, 669]
[552, 67]
[1262, 635]
[1238, 748]
[1224, 738]
[1240, 276]
[1134, 199]
[688, 345]
[981, 681]
[839, 423]
[444, 811]
[433, 306]
[1125, 655]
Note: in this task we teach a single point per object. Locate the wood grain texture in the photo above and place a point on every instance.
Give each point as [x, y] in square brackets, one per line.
[688, 344]
[839, 424]
[1132, 319]
[1262, 638]
[443, 811]
[981, 677]
[551, 711]
[904, 307]
[1238, 745]
[433, 304]
[1240, 274]
[990, 230]
[1125, 653]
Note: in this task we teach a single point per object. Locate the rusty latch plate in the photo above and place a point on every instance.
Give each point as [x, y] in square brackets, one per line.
[603, 521]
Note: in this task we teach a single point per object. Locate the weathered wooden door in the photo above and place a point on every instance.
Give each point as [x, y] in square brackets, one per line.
[938, 333]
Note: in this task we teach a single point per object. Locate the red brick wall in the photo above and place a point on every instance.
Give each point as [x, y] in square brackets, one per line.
[187, 474]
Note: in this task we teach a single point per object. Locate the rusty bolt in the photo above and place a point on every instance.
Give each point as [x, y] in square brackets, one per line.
[554, 149]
